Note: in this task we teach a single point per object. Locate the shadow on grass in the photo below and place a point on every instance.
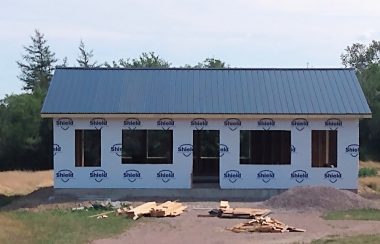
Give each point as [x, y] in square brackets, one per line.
[43, 196]
[5, 200]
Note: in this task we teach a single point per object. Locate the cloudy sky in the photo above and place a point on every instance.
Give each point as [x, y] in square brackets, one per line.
[243, 33]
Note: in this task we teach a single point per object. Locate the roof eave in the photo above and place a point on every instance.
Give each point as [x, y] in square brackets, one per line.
[210, 116]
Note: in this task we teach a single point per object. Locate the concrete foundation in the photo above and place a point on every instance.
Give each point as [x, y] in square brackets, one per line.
[195, 194]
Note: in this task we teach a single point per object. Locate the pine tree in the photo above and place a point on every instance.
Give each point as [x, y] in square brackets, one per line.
[37, 65]
[85, 56]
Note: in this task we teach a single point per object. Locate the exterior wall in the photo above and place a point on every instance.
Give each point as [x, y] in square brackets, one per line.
[232, 174]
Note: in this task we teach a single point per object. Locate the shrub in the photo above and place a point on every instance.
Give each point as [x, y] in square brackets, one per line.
[364, 172]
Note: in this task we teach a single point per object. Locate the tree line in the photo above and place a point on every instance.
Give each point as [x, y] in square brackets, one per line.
[26, 139]
[365, 59]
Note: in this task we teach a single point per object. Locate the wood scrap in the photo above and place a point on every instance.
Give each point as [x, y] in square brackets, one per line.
[224, 205]
[104, 216]
[100, 214]
[225, 211]
[264, 224]
[122, 211]
[141, 210]
[151, 209]
[244, 213]
[168, 209]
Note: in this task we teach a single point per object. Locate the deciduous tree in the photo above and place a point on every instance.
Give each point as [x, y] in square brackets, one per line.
[360, 56]
[212, 63]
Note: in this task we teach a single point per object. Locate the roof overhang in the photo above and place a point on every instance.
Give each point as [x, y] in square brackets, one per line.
[210, 116]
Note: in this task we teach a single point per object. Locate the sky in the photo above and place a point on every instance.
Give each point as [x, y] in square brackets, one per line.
[242, 33]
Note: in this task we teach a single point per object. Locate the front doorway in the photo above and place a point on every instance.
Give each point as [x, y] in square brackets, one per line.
[206, 156]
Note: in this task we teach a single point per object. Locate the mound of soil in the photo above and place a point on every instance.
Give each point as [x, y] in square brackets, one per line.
[319, 198]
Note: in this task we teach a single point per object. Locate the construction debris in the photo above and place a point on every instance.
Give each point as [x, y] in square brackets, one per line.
[78, 209]
[260, 221]
[100, 205]
[225, 211]
[167, 209]
[143, 209]
[264, 224]
[151, 209]
[108, 204]
[247, 213]
[102, 216]
[224, 205]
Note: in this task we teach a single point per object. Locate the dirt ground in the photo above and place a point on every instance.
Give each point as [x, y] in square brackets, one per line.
[188, 228]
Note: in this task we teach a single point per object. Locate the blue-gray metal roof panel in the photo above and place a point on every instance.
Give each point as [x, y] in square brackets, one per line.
[205, 91]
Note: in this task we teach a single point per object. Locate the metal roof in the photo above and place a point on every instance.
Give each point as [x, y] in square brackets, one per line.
[205, 91]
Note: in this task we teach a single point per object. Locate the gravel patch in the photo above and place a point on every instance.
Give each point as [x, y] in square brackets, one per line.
[319, 198]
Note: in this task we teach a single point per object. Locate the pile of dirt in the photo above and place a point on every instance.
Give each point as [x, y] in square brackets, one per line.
[319, 198]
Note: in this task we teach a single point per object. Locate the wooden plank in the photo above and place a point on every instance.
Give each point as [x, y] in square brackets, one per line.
[160, 211]
[142, 209]
[178, 211]
[96, 215]
[174, 210]
[265, 224]
[224, 205]
[293, 229]
[243, 213]
[284, 229]
[168, 209]
[163, 205]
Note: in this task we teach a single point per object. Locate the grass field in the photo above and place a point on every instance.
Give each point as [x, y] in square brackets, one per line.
[14, 183]
[354, 214]
[48, 226]
[58, 226]
[359, 239]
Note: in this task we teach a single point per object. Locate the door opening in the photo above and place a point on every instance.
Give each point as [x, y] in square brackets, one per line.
[206, 156]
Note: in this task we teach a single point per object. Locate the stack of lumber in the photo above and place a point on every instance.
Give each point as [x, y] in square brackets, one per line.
[225, 211]
[167, 209]
[264, 224]
[151, 209]
[141, 210]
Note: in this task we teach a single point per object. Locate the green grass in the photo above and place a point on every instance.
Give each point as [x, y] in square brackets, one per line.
[58, 226]
[359, 239]
[354, 214]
